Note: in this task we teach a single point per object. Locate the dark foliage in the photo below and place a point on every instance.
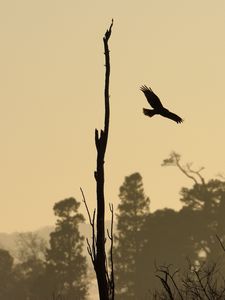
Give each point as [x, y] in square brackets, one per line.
[66, 265]
[167, 237]
[59, 272]
[6, 275]
[133, 210]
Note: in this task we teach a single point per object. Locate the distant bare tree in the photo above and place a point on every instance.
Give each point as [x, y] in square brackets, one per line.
[195, 175]
[30, 246]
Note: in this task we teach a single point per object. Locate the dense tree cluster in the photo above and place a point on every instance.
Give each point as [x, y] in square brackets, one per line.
[149, 248]
[146, 242]
[41, 272]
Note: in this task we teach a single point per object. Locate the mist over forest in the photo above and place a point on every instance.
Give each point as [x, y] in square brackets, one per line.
[107, 111]
[180, 250]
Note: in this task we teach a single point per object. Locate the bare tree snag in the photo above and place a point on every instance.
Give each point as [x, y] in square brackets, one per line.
[96, 249]
[195, 175]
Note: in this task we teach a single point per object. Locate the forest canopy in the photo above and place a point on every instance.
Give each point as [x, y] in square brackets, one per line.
[144, 243]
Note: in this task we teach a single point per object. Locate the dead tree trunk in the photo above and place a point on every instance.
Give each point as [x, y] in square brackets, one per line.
[97, 249]
[101, 143]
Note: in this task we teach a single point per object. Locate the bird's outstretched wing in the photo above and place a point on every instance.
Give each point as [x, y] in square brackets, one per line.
[168, 114]
[153, 100]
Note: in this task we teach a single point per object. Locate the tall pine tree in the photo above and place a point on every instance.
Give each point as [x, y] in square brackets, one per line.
[66, 264]
[133, 210]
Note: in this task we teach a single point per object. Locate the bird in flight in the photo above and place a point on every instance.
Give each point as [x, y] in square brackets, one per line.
[158, 108]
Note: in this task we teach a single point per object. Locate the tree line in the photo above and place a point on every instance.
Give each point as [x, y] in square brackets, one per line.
[149, 247]
[168, 254]
[56, 271]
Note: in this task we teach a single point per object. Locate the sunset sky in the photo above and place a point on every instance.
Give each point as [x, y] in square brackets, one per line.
[51, 93]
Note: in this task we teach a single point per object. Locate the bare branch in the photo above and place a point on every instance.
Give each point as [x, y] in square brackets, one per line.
[96, 138]
[166, 286]
[108, 32]
[221, 244]
[165, 281]
[182, 169]
[174, 160]
[196, 172]
[221, 176]
[201, 284]
[85, 203]
[91, 250]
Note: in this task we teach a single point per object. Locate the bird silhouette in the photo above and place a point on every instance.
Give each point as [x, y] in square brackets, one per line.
[158, 108]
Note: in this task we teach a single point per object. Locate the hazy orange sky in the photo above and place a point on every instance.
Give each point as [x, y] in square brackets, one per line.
[51, 91]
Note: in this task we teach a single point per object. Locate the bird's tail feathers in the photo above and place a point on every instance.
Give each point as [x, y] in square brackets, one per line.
[149, 112]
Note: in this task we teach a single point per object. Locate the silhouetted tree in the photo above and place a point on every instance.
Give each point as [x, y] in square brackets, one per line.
[133, 210]
[23, 277]
[204, 203]
[30, 246]
[169, 241]
[6, 275]
[104, 281]
[96, 249]
[30, 251]
[66, 265]
[171, 238]
[28, 283]
[207, 205]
